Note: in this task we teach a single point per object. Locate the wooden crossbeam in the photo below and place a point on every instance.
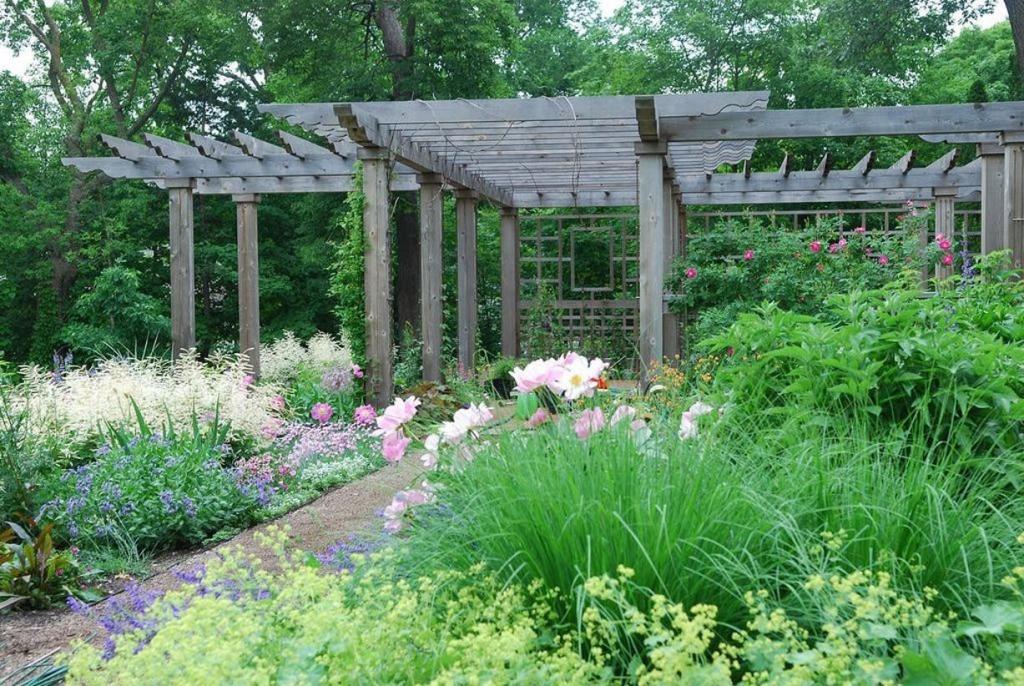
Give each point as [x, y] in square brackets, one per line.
[258, 148]
[893, 178]
[126, 149]
[363, 129]
[172, 150]
[905, 163]
[866, 164]
[909, 120]
[786, 167]
[213, 148]
[825, 166]
[945, 163]
[300, 147]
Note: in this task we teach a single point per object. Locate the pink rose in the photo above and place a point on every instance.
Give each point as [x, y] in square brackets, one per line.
[944, 244]
[748, 254]
[691, 272]
[815, 246]
[947, 259]
[883, 260]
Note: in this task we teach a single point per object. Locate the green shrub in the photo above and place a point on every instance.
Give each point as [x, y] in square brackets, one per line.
[889, 356]
[741, 264]
[149, 491]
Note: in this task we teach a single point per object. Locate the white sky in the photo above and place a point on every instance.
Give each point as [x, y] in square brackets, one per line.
[19, 63]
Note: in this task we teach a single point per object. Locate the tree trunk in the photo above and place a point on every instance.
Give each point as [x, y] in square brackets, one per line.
[1015, 11]
[398, 42]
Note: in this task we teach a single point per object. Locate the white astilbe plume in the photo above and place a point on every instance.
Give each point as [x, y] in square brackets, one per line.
[281, 361]
[75, 409]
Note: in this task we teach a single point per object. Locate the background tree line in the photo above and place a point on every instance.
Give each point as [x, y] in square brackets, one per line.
[84, 263]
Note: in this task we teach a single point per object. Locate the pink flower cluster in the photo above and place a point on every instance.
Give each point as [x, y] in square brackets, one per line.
[389, 425]
[946, 246]
[571, 376]
[591, 421]
[402, 503]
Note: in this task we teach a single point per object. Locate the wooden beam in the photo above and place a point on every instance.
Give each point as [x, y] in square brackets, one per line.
[993, 192]
[363, 129]
[182, 254]
[825, 166]
[509, 282]
[646, 117]
[258, 148]
[246, 214]
[905, 163]
[126, 149]
[885, 179]
[198, 166]
[213, 148]
[172, 150]
[909, 120]
[866, 163]
[650, 189]
[960, 138]
[431, 272]
[377, 279]
[786, 167]
[946, 163]
[465, 227]
[300, 147]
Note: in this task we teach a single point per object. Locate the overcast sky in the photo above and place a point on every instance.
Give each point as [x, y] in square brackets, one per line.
[19, 63]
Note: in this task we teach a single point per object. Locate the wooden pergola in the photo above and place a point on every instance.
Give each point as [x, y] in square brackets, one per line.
[658, 153]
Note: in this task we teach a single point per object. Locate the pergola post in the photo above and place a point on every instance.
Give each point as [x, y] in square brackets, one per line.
[992, 195]
[651, 202]
[670, 322]
[465, 225]
[377, 278]
[431, 212]
[1013, 183]
[945, 223]
[248, 278]
[509, 282]
[682, 227]
[183, 283]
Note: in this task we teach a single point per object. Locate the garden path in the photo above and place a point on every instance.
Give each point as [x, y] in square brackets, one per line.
[348, 509]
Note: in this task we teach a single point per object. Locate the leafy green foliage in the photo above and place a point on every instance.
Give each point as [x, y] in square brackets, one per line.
[740, 264]
[939, 363]
[149, 491]
[117, 315]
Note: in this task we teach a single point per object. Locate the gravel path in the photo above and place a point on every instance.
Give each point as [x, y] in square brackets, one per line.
[352, 508]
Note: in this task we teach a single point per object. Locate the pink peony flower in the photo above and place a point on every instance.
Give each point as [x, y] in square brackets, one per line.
[365, 415]
[883, 260]
[947, 259]
[464, 421]
[688, 422]
[357, 371]
[589, 421]
[536, 374]
[691, 272]
[393, 446]
[748, 254]
[538, 418]
[278, 403]
[397, 414]
[322, 412]
[833, 248]
[815, 246]
[944, 244]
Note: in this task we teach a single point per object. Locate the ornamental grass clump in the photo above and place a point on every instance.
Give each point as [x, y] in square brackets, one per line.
[703, 517]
